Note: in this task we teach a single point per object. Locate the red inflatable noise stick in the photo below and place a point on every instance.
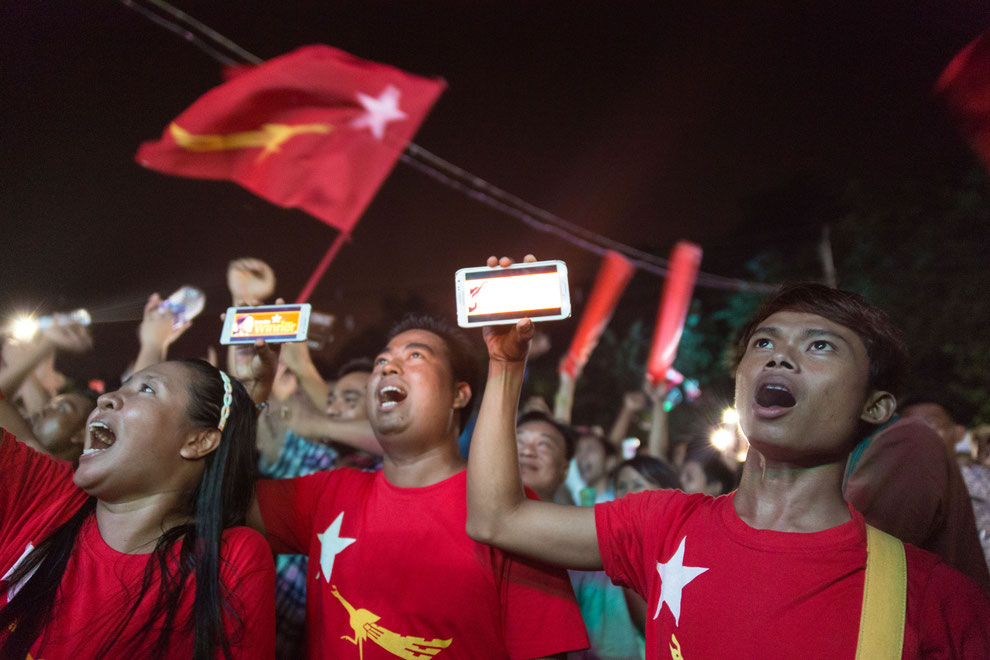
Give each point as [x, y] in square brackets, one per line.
[674, 301]
[613, 276]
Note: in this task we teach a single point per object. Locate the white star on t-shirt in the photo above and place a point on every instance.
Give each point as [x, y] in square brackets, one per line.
[674, 576]
[379, 111]
[331, 544]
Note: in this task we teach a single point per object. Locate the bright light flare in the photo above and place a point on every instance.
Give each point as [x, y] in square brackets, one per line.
[23, 328]
[722, 439]
[730, 416]
[742, 449]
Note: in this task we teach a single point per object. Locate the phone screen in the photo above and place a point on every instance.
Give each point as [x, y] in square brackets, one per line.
[489, 296]
[273, 323]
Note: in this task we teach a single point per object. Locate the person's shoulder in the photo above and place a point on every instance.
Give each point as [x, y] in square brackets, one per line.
[243, 539]
[908, 430]
[351, 475]
[907, 438]
[665, 495]
[930, 578]
[246, 548]
[660, 502]
[329, 478]
[947, 608]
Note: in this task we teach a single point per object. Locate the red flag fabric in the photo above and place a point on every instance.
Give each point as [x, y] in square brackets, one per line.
[965, 84]
[316, 129]
[613, 276]
[677, 288]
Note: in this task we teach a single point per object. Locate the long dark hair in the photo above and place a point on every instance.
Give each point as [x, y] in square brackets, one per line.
[220, 501]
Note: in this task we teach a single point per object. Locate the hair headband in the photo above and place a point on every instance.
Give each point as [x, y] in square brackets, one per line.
[228, 397]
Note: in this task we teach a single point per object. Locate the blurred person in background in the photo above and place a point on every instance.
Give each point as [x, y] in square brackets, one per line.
[905, 479]
[616, 617]
[704, 470]
[48, 422]
[595, 458]
[546, 447]
[966, 446]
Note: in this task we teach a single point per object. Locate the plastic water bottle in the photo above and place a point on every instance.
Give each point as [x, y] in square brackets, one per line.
[79, 316]
[184, 304]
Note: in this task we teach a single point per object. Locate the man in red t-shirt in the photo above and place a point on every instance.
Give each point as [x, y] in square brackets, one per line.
[391, 571]
[775, 569]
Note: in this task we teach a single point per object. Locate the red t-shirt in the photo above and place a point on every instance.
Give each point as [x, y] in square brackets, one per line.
[715, 587]
[37, 495]
[392, 573]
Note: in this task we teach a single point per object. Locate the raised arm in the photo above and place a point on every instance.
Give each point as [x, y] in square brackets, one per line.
[356, 433]
[156, 333]
[250, 282]
[499, 513]
[658, 444]
[632, 404]
[22, 362]
[254, 365]
[73, 338]
[316, 426]
[11, 420]
[298, 360]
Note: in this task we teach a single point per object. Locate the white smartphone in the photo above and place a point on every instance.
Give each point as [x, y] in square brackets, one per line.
[497, 296]
[273, 323]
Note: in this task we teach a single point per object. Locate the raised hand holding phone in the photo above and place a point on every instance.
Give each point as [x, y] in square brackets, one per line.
[509, 343]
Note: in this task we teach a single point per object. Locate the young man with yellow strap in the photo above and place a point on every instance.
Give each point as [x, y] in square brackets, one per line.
[781, 568]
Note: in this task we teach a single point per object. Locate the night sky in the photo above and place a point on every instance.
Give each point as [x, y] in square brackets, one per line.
[644, 121]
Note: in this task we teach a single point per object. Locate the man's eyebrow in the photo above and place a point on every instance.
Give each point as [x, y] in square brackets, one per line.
[771, 330]
[425, 347]
[822, 332]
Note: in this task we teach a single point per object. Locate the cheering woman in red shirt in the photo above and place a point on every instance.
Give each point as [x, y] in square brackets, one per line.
[140, 553]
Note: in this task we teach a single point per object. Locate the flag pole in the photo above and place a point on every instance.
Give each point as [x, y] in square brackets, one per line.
[321, 268]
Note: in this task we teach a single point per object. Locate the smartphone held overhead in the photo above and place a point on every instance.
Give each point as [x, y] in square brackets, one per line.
[496, 296]
[273, 323]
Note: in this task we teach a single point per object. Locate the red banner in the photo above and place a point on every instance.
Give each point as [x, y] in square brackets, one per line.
[316, 129]
[965, 84]
[674, 301]
[613, 276]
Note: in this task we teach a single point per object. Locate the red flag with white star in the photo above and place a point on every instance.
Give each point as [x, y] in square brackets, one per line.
[317, 129]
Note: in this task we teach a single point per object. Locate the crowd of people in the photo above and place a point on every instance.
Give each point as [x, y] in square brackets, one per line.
[411, 507]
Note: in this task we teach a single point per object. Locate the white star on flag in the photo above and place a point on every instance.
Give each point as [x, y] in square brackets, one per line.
[277, 318]
[331, 544]
[674, 576]
[379, 111]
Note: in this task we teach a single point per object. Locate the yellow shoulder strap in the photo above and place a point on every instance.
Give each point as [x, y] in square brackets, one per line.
[881, 624]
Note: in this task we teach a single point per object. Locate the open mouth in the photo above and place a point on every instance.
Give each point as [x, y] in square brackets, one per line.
[775, 396]
[101, 438]
[390, 396]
